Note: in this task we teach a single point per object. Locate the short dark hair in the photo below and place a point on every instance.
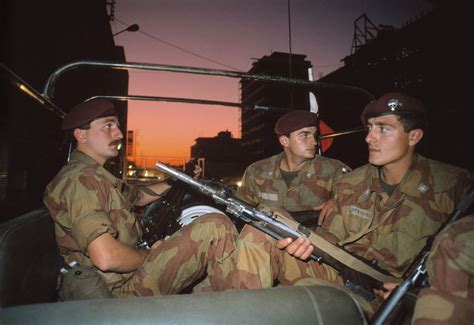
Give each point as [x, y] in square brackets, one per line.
[411, 122]
[69, 134]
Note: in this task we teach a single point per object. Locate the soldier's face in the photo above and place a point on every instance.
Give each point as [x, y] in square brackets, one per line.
[101, 140]
[301, 144]
[388, 142]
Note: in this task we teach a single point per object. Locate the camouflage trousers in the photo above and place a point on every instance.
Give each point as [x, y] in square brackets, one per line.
[258, 263]
[199, 248]
[450, 297]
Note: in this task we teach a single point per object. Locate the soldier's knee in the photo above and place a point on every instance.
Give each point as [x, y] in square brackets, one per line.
[253, 234]
[219, 220]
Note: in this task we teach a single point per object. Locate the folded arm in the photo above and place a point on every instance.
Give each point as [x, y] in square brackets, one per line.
[108, 254]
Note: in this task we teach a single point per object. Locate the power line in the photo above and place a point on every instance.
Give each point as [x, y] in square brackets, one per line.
[180, 48]
[328, 66]
[201, 56]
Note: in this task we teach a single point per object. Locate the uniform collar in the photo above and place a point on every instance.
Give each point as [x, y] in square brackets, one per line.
[415, 182]
[308, 166]
[79, 156]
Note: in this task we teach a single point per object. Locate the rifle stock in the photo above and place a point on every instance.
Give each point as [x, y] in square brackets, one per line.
[357, 275]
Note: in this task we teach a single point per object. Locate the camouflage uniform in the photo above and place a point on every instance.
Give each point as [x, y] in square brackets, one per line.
[393, 229]
[450, 297]
[86, 201]
[257, 260]
[263, 183]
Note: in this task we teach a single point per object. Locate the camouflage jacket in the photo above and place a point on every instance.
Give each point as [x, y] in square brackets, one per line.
[86, 201]
[450, 296]
[451, 261]
[392, 230]
[263, 183]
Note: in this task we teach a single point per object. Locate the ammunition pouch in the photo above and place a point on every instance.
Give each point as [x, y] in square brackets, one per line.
[82, 282]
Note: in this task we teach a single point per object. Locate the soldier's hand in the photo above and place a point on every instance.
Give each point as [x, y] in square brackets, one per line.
[388, 288]
[300, 248]
[326, 209]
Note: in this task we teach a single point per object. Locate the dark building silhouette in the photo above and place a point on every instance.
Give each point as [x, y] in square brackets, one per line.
[429, 57]
[222, 155]
[258, 137]
[37, 38]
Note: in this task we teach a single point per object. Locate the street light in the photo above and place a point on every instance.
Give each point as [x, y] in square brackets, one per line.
[131, 28]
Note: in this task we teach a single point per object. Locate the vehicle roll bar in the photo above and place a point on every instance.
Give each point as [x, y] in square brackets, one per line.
[46, 98]
[191, 101]
[311, 85]
[21, 84]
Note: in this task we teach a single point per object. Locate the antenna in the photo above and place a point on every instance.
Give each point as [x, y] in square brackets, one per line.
[290, 53]
[111, 13]
[289, 32]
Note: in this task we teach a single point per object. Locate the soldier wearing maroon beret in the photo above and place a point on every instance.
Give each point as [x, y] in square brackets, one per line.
[385, 211]
[295, 120]
[97, 231]
[394, 104]
[82, 114]
[297, 179]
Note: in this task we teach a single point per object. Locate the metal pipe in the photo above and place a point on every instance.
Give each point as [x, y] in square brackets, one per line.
[219, 103]
[311, 85]
[45, 102]
[191, 101]
[337, 134]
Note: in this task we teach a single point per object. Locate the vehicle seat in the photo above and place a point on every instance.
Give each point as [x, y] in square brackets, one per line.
[282, 305]
[29, 260]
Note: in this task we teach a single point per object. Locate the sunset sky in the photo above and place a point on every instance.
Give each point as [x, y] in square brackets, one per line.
[228, 35]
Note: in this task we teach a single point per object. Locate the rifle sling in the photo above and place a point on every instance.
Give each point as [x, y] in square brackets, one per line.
[340, 254]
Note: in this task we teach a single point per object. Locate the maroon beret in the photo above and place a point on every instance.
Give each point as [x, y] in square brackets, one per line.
[392, 103]
[295, 120]
[86, 112]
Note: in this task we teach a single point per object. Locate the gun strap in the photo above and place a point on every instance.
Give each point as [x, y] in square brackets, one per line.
[340, 254]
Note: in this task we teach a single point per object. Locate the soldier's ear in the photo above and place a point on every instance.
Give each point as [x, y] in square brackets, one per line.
[80, 135]
[284, 140]
[414, 136]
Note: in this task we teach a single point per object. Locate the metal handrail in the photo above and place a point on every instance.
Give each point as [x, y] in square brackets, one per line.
[45, 101]
[220, 103]
[311, 85]
[21, 84]
[191, 101]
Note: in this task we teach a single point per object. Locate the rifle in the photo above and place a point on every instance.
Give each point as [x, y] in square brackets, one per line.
[417, 273]
[307, 218]
[358, 275]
